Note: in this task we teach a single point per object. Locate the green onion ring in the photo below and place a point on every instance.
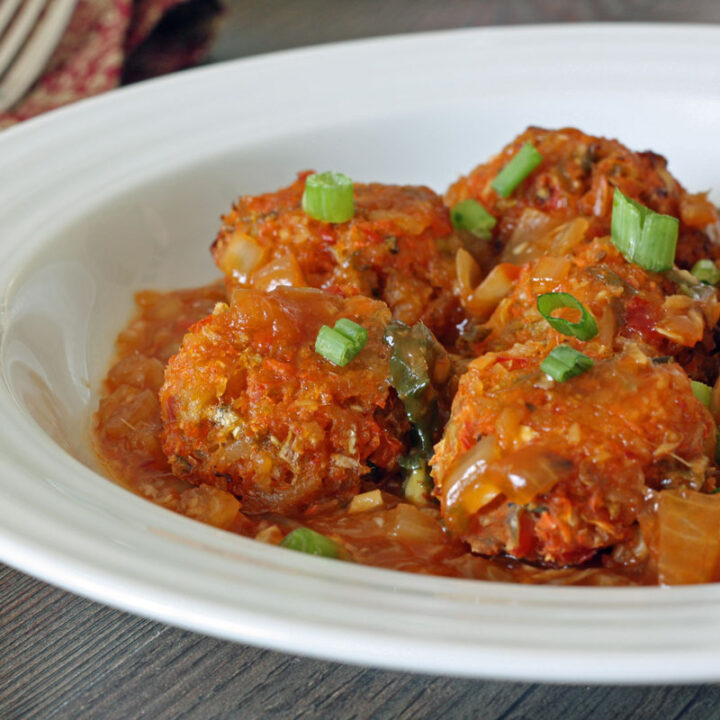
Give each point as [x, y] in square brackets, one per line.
[585, 329]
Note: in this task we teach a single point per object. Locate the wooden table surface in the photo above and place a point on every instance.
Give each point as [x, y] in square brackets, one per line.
[66, 657]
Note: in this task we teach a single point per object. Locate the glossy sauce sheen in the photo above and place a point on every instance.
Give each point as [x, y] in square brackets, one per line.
[395, 535]
[217, 401]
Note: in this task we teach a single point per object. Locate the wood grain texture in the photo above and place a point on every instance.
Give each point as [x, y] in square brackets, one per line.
[257, 26]
[66, 657]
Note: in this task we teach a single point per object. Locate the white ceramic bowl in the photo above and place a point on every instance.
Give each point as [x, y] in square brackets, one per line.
[124, 192]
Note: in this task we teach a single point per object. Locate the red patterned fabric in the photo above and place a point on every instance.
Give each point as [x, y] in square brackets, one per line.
[108, 41]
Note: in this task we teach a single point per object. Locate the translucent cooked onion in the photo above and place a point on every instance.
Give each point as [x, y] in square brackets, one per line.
[533, 224]
[477, 477]
[488, 294]
[282, 271]
[528, 472]
[365, 501]
[408, 524]
[563, 239]
[468, 272]
[682, 322]
[463, 485]
[687, 537]
[538, 235]
[242, 256]
[209, 505]
[697, 211]
[550, 269]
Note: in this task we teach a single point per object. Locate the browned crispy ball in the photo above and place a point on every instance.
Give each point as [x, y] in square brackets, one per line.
[399, 247]
[249, 406]
[577, 177]
[552, 472]
[626, 301]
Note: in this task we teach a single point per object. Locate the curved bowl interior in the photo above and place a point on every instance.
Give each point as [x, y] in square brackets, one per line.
[125, 192]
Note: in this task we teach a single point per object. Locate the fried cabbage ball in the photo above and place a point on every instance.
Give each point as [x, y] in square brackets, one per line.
[669, 315]
[552, 472]
[398, 247]
[249, 406]
[576, 178]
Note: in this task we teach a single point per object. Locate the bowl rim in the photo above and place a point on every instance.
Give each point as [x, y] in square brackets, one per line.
[82, 555]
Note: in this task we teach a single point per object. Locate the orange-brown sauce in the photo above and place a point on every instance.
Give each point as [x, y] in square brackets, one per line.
[394, 534]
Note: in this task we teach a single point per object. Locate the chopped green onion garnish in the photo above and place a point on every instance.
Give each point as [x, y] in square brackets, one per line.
[311, 542]
[643, 236]
[334, 346]
[564, 362]
[584, 329]
[470, 215]
[526, 160]
[717, 453]
[342, 343]
[702, 392]
[328, 196]
[353, 332]
[706, 271]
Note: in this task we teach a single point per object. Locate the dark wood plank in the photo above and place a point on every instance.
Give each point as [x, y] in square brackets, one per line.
[66, 657]
[256, 26]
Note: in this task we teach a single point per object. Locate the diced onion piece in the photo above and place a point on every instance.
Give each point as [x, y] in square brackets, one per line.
[282, 271]
[528, 472]
[467, 270]
[524, 162]
[209, 505]
[410, 525]
[564, 362]
[271, 535]
[697, 211]
[498, 283]
[478, 477]
[463, 486]
[523, 244]
[643, 236]
[706, 271]
[537, 236]
[550, 269]
[585, 329]
[562, 239]
[311, 542]
[243, 254]
[688, 538]
[365, 501]
[470, 215]
[702, 392]
[329, 197]
[682, 322]
[354, 332]
[705, 295]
